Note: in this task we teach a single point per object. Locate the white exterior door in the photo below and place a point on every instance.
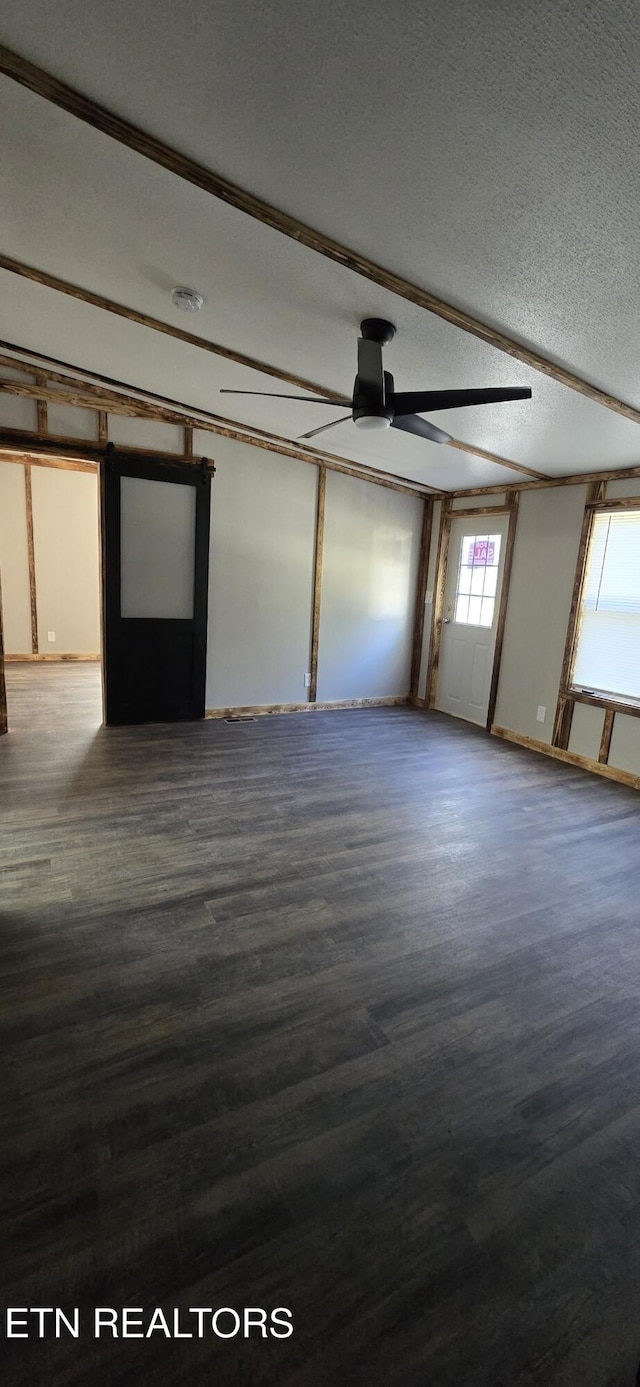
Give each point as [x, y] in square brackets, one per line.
[470, 615]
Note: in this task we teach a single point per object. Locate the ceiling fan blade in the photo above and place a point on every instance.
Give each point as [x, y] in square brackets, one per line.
[312, 432]
[419, 401]
[412, 423]
[273, 395]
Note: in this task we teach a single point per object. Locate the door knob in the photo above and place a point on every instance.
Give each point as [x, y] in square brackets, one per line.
[446, 620]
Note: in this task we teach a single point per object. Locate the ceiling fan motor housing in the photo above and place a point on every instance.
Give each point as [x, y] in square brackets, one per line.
[372, 409]
[377, 330]
[372, 406]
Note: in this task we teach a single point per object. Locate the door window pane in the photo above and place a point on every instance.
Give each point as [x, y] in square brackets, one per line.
[466, 551]
[477, 580]
[464, 580]
[157, 548]
[490, 582]
[486, 614]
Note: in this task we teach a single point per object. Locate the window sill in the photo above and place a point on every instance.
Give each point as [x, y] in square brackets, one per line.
[605, 700]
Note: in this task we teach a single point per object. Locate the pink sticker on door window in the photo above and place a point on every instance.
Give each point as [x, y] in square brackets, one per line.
[483, 552]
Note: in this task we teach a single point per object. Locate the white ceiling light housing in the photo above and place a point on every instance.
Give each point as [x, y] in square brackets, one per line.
[372, 421]
[189, 300]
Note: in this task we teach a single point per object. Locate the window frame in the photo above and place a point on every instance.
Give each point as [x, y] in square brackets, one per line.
[578, 693]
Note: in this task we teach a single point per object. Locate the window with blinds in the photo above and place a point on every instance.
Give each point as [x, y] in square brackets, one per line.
[607, 658]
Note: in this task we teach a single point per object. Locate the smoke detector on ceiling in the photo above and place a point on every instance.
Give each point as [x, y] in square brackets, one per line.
[189, 300]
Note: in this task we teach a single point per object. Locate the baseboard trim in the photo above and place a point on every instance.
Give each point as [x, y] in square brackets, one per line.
[37, 659]
[265, 709]
[570, 758]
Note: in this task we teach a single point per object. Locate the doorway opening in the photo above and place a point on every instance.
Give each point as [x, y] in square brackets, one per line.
[51, 602]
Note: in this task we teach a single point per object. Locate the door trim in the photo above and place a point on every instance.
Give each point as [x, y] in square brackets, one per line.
[447, 516]
[438, 601]
[512, 509]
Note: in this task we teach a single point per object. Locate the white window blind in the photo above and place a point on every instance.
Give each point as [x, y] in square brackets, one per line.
[608, 647]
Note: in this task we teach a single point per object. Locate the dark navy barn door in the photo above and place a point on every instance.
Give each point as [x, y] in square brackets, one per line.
[155, 541]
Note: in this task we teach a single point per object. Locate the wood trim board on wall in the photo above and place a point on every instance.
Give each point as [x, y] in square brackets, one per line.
[512, 507]
[318, 548]
[617, 705]
[31, 558]
[570, 757]
[605, 740]
[617, 474]
[420, 614]
[446, 515]
[64, 464]
[42, 413]
[264, 709]
[615, 503]
[565, 705]
[93, 656]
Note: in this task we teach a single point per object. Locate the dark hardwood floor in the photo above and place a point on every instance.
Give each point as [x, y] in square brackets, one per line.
[336, 1012]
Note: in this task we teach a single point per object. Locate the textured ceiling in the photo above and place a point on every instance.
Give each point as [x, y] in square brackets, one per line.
[487, 152]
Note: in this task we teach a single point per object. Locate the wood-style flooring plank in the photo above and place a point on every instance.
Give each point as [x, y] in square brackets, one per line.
[338, 1014]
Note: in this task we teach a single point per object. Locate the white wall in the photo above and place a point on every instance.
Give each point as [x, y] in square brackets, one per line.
[16, 413]
[14, 561]
[544, 563]
[70, 422]
[261, 582]
[149, 433]
[369, 572]
[261, 576]
[624, 751]
[586, 730]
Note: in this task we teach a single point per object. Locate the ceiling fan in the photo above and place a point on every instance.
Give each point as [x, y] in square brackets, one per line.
[376, 404]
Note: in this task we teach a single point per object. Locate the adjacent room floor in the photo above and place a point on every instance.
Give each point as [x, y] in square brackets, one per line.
[336, 1012]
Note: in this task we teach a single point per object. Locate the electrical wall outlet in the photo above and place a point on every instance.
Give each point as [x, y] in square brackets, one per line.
[51, 635]
[541, 713]
[307, 681]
